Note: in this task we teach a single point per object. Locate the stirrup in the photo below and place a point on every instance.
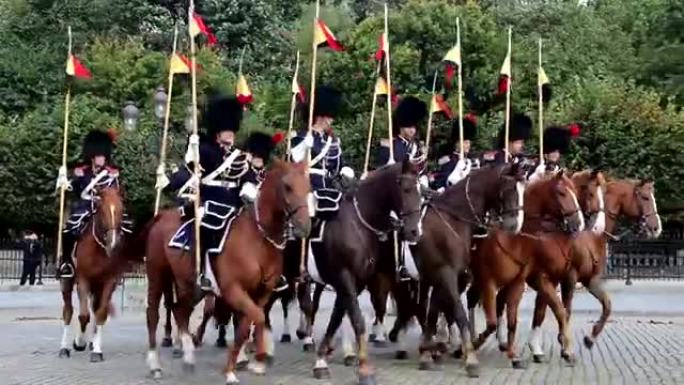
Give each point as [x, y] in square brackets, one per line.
[65, 270]
[205, 284]
[403, 274]
[281, 285]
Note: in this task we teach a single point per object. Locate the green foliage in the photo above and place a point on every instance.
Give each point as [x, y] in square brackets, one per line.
[615, 66]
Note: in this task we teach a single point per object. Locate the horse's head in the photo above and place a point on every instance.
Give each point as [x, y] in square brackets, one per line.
[511, 196]
[636, 200]
[406, 200]
[555, 196]
[108, 217]
[295, 191]
[590, 185]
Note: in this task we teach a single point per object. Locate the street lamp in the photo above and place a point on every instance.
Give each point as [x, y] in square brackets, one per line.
[189, 127]
[130, 113]
[160, 102]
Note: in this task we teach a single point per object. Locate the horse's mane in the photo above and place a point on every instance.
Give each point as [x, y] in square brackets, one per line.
[586, 175]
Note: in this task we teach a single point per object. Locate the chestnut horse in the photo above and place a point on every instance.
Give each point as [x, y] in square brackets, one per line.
[633, 200]
[248, 265]
[505, 261]
[97, 271]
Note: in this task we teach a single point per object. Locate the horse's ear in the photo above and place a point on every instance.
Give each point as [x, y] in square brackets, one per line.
[645, 181]
[560, 173]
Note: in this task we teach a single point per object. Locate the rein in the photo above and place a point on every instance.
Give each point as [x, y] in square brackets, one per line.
[264, 233]
[382, 235]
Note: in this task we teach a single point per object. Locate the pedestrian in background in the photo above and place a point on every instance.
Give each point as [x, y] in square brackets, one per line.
[33, 256]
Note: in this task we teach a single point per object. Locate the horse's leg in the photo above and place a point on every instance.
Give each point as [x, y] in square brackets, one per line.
[268, 328]
[285, 301]
[488, 298]
[535, 342]
[379, 289]
[501, 298]
[241, 335]
[251, 312]
[207, 313]
[427, 349]
[321, 369]
[304, 330]
[568, 290]
[514, 294]
[351, 303]
[83, 290]
[154, 294]
[67, 313]
[548, 291]
[595, 287]
[167, 341]
[316, 301]
[101, 315]
[473, 297]
[183, 310]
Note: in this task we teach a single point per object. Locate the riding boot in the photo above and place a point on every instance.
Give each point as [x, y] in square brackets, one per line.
[204, 282]
[66, 264]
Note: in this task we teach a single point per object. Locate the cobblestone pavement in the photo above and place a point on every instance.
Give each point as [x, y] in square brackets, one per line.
[634, 349]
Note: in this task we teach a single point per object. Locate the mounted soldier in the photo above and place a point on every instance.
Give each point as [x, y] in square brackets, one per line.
[520, 130]
[95, 172]
[407, 118]
[556, 144]
[451, 167]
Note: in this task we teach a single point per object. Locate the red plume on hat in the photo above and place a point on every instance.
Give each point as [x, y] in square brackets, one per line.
[575, 129]
[278, 137]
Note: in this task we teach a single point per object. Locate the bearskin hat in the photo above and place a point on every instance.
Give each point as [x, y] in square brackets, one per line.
[97, 143]
[328, 101]
[520, 129]
[260, 145]
[223, 113]
[559, 138]
[469, 128]
[409, 113]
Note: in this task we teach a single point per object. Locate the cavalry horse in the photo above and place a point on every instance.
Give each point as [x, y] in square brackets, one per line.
[505, 261]
[633, 200]
[350, 250]
[247, 267]
[98, 269]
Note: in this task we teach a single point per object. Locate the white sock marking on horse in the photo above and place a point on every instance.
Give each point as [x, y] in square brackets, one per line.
[65, 337]
[599, 224]
[80, 338]
[520, 188]
[442, 329]
[188, 348]
[153, 360]
[242, 355]
[501, 330]
[401, 340]
[231, 378]
[303, 324]
[536, 341]
[454, 335]
[379, 331]
[97, 339]
[257, 367]
[308, 340]
[579, 210]
[268, 341]
[347, 334]
[320, 364]
[660, 223]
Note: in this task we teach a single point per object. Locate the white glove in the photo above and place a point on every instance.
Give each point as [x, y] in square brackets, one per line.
[424, 181]
[248, 193]
[538, 173]
[62, 180]
[193, 149]
[311, 204]
[347, 172]
[298, 152]
[162, 180]
[364, 175]
[461, 170]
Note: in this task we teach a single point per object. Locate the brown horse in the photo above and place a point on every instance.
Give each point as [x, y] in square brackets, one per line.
[97, 272]
[633, 200]
[505, 261]
[249, 261]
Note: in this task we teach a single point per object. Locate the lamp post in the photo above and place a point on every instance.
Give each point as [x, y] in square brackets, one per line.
[130, 113]
[159, 100]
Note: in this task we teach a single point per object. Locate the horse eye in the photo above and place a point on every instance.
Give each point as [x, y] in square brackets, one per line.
[644, 198]
[288, 188]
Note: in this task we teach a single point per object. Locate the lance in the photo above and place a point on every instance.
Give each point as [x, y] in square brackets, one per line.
[460, 89]
[161, 172]
[390, 132]
[195, 149]
[312, 101]
[432, 108]
[541, 106]
[372, 121]
[62, 170]
[508, 98]
[293, 105]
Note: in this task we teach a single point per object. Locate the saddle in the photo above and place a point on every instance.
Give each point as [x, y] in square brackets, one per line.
[216, 222]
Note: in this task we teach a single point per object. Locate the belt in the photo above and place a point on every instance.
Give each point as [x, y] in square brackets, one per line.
[318, 171]
[220, 183]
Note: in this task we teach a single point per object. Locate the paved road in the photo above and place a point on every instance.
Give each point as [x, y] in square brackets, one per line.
[643, 344]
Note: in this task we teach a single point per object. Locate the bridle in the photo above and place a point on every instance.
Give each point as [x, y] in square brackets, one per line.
[96, 220]
[289, 213]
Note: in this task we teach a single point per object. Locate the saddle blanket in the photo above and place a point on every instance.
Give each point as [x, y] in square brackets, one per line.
[327, 202]
[217, 220]
[78, 220]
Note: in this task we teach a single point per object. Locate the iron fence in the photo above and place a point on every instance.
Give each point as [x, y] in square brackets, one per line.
[642, 259]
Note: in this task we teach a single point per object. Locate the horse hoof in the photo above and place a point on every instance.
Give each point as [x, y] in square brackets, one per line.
[285, 339]
[503, 348]
[300, 334]
[538, 358]
[321, 373]
[221, 343]
[441, 347]
[242, 365]
[588, 342]
[367, 379]
[350, 361]
[438, 358]
[167, 342]
[458, 353]
[308, 348]
[196, 341]
[426, 365]
[177, 353]
[64, 353]
[188, 367]
[401, 355]
[519, 363]
[79, 348]
[380, 344]
[90, 346]
[570, 359]
[372, 337]
[393, 336]
[157, 374]
[96, 357]
[473, 370]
